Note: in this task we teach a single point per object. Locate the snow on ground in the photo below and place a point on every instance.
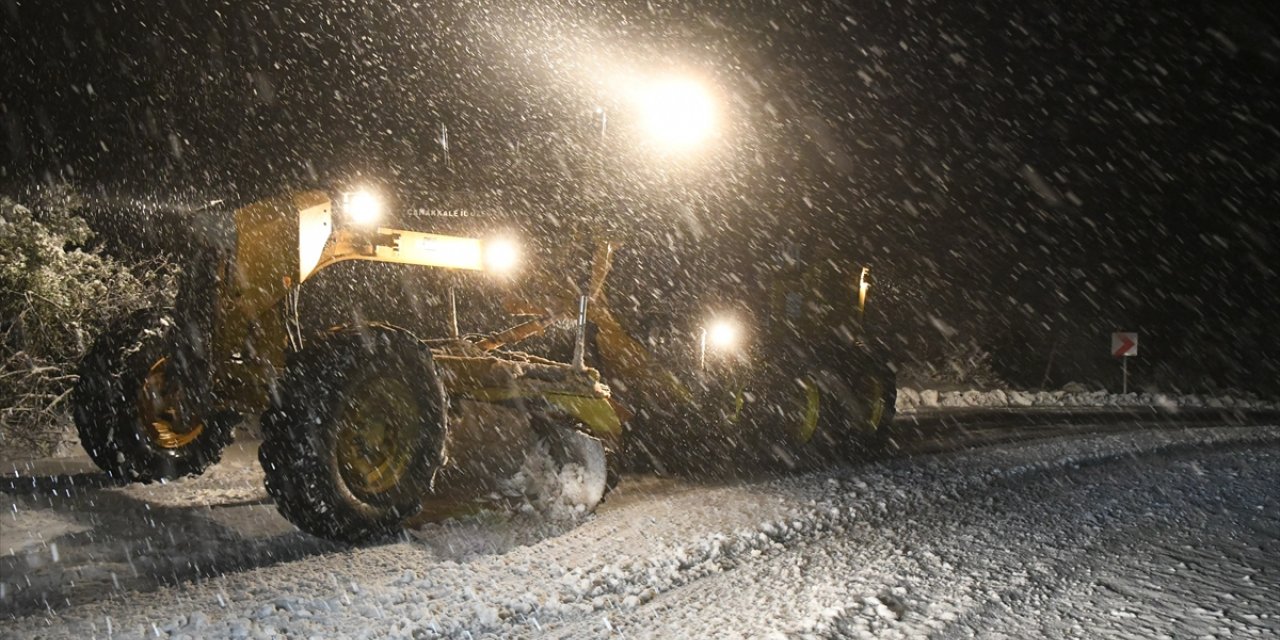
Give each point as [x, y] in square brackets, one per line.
[1177, 546]
[74, 537]
[912, 400]
[1135, 534]
[31, 534]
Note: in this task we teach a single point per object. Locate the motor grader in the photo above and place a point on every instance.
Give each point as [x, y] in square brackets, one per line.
[358, 422]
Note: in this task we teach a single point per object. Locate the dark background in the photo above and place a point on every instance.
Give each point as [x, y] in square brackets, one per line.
[1023, 176]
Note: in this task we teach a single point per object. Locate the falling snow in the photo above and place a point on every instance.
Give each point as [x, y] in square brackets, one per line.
[496, 318]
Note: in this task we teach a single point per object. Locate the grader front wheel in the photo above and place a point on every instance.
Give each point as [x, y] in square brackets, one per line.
[835, 408]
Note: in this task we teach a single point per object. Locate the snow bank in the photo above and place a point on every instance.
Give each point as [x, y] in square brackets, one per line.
[912, 400]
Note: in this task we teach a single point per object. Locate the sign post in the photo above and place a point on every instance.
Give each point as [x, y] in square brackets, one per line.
[1124, 345]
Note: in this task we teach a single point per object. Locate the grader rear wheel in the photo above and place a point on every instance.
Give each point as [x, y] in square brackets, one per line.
[137, 413]
[356, 434]
[866, 392]
[881, 393]
[802, 419]
[162, 409]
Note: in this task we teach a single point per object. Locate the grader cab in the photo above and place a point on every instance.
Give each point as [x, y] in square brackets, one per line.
[357, 422]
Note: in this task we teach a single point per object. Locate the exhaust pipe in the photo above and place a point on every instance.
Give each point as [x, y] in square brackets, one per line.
[453, 314]
[580, 337]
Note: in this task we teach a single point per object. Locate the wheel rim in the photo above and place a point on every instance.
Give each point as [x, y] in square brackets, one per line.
[808, 410]
[876, 406]
[160, 409]
[378, 429]
[871, 406]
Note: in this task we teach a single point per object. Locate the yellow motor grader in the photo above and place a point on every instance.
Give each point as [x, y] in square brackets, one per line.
[357, 424]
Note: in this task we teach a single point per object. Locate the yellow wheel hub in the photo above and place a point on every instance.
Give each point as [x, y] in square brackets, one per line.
[378, 429]
[864, 419]
[160, 409]
[809, 410]
[875, 404]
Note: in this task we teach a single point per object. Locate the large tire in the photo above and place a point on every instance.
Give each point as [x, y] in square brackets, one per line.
[355, 433]
[141, 418]
[866, 392]
[888, 381]
[837, 405]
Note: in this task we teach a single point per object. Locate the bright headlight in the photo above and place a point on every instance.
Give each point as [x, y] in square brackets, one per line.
[678, 112]
[723, 335]
[501, 255]
[362, 207]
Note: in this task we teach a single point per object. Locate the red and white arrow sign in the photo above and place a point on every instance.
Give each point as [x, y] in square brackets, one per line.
[1124, 344]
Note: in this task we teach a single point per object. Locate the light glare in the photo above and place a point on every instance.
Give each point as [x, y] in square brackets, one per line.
[677, 112]
[501, 255]
[362, 207]
[723, 334]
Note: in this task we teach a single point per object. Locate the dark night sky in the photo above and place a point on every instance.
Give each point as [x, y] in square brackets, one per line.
[1024, 173]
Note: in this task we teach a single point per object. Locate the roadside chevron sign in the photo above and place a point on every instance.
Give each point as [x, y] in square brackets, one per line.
[1124, 344]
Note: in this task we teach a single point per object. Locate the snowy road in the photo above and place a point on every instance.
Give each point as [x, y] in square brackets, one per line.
[1132, 533]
